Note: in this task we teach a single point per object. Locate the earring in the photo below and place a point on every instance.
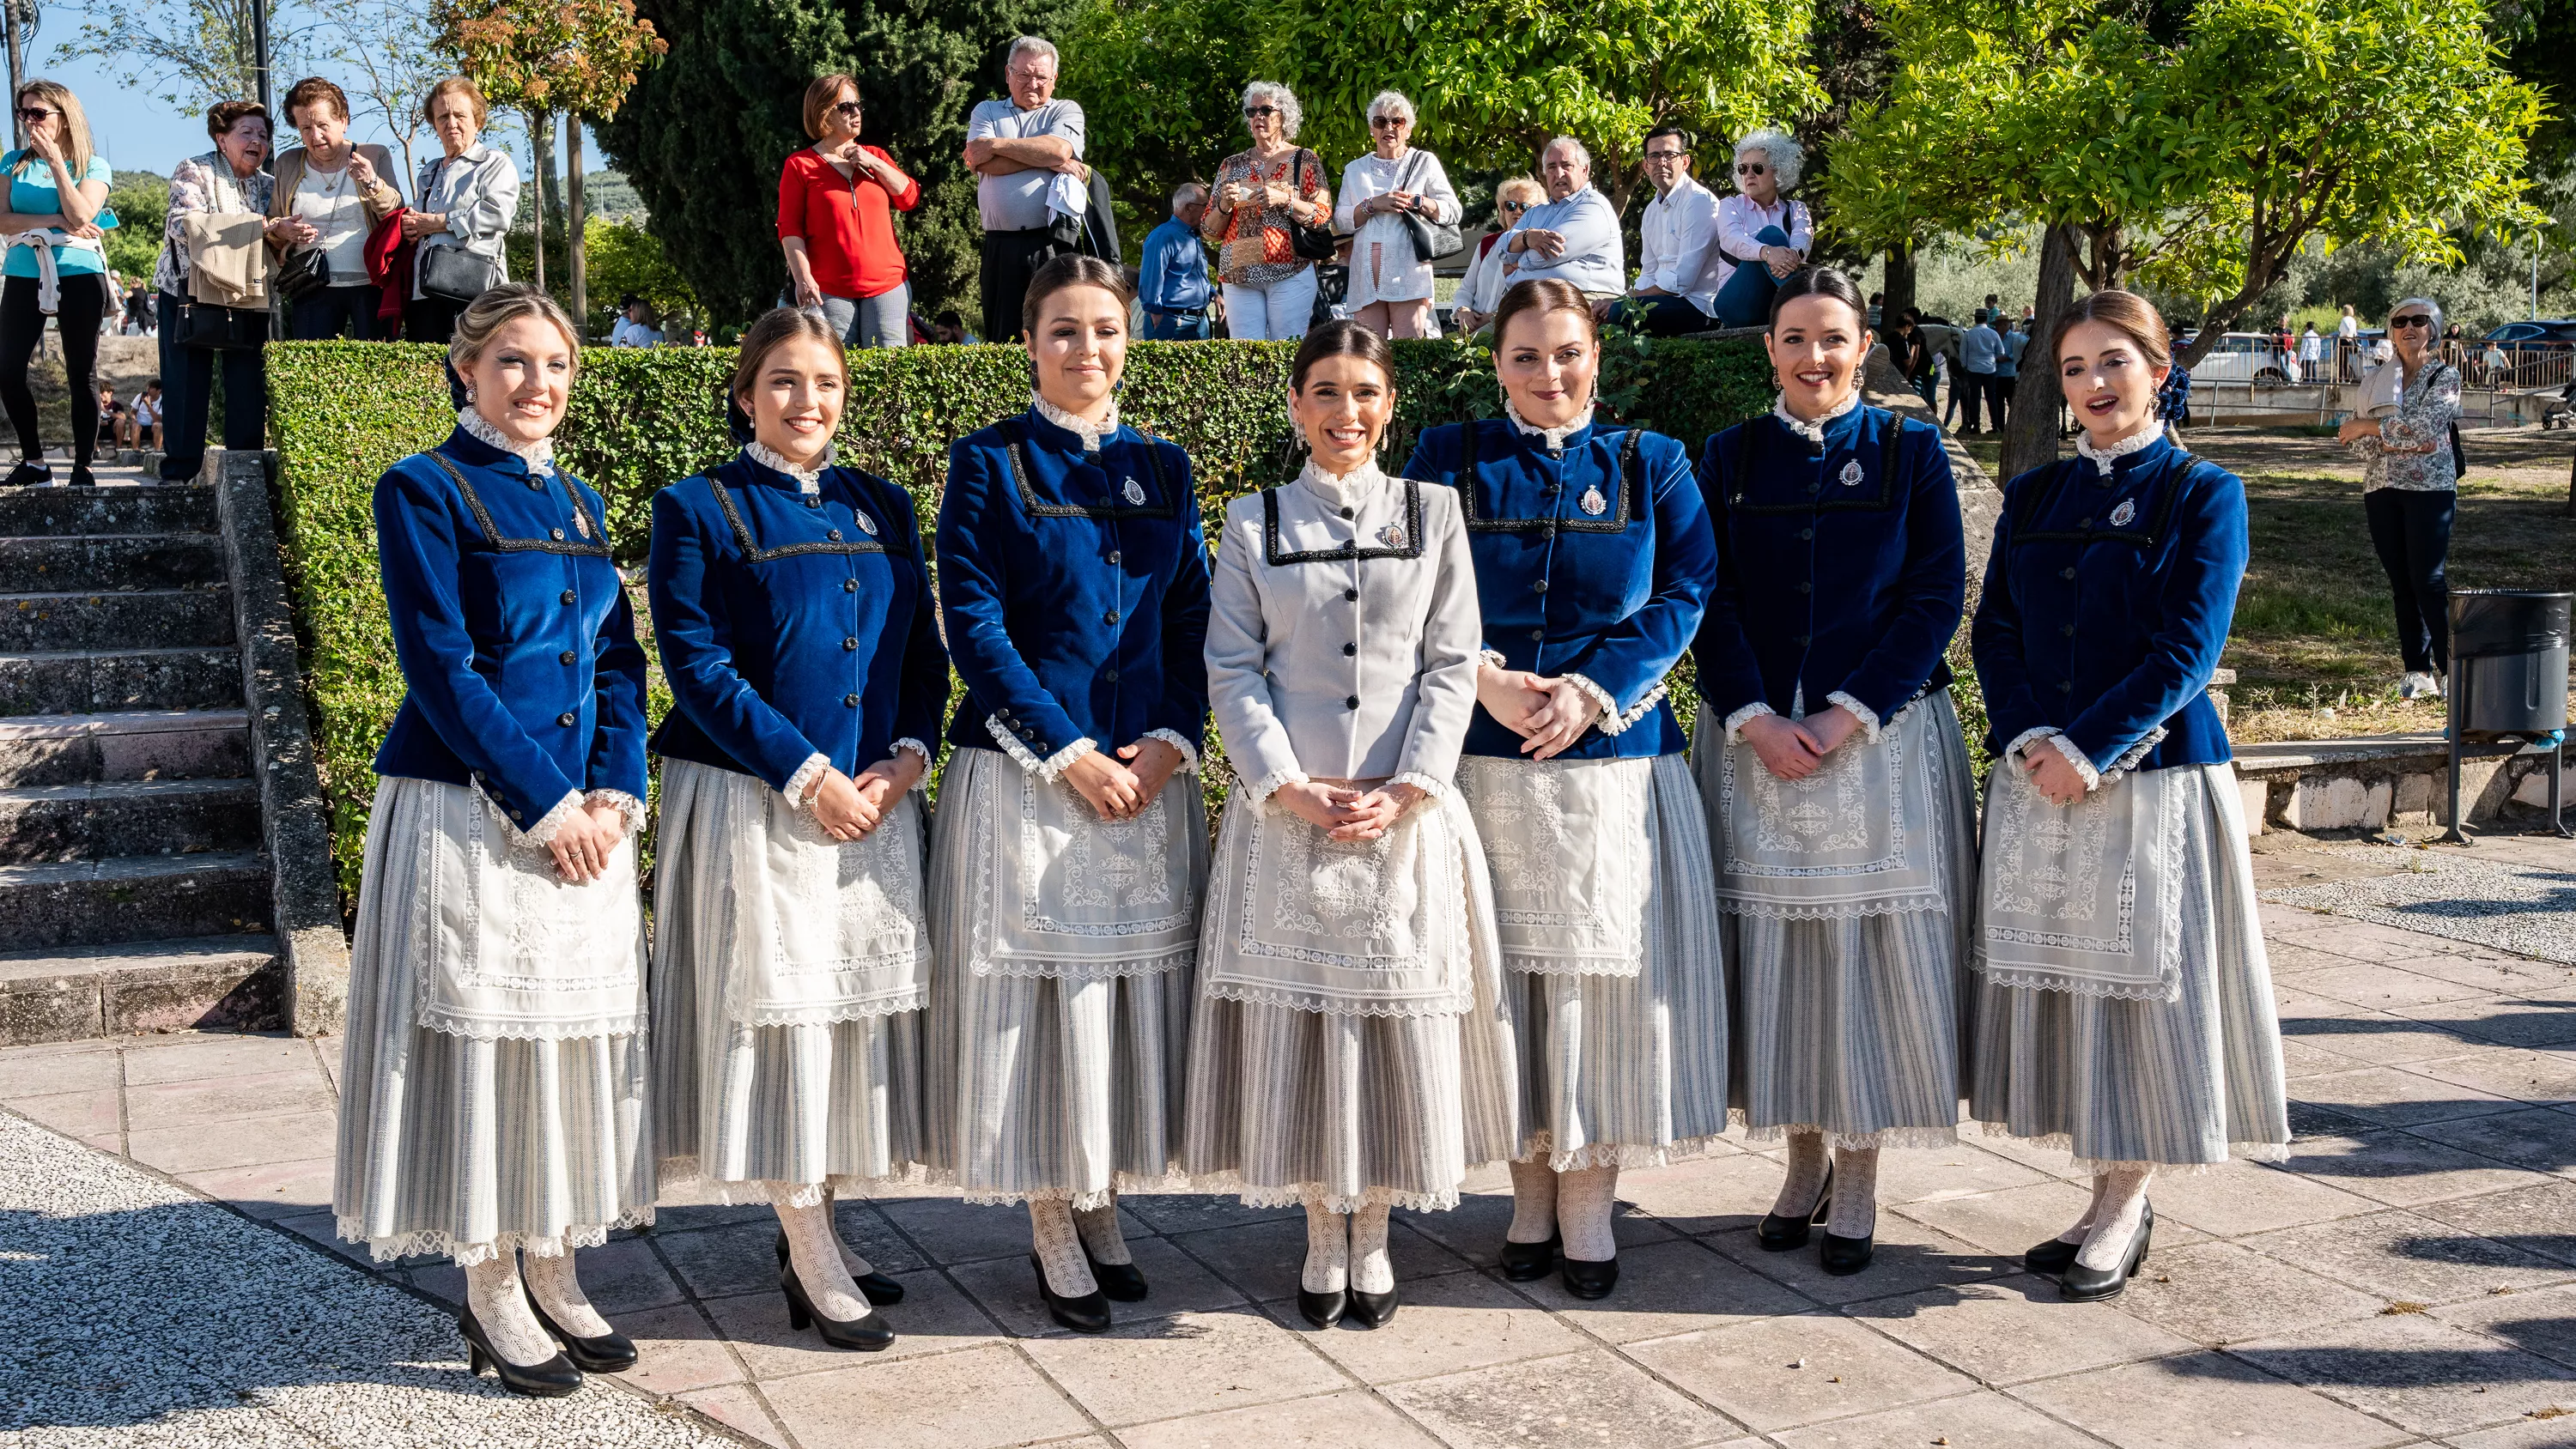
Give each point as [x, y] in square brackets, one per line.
[469, 394]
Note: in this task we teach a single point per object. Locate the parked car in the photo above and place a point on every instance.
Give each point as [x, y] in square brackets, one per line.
[2534, 354]
[2242, 357]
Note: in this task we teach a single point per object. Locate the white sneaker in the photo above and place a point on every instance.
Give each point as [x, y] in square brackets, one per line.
[2432, 685]
[2410, 685]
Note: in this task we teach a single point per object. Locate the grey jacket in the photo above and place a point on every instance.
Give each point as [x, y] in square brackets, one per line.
[479, 193]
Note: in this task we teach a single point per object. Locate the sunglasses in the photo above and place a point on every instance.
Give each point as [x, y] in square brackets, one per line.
[1750, 168]
[36, 113]
[2411, 319]
[846, 108]
[1254, 113]
[1387, 123]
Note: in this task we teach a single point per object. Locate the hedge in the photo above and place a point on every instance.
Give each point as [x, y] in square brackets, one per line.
[342, 412]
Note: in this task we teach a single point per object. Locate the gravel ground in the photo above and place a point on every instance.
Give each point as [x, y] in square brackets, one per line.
[2527, 909]
[137, 1315]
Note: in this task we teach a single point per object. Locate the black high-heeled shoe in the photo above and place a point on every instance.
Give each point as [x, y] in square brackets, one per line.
[2051, 1258]
[2092, 1285]
[552, 1379]
[1529, 1262]
[879, 1289]
[1590, 1280]
[1086, 1313]
[1322, 1309]
[1843, 1257]
[1371, 1310]
[866, 1334]
[610, 1353]
[1124, 1282]
[1777, 1234]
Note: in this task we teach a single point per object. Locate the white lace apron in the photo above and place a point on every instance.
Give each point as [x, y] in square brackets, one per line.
[2084, 897]
[1346, 928]
[1060, 892]
[512, 949]
[822, 931]
[1855, 838]
[1570, 857]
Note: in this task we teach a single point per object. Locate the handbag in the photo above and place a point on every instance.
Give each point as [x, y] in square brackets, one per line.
[301, 274]
[454, 274]
[212, 328]
[1431, 240]
[1312, 243]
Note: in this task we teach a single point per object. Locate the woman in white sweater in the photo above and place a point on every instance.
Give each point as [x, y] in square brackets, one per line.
[1391, 198]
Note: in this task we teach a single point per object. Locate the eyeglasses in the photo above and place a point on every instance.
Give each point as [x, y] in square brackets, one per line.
[1254, 113]
[2411, 319]
[1666, 155]
[36, 113]
[1750, 168]
[846, 108]
[1388, 123]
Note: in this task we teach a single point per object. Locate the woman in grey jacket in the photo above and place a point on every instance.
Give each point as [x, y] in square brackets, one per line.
[465, 198]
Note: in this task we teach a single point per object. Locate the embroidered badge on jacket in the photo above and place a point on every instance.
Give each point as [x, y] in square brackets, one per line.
[1852, 474]
[1592, 501]
[581, 522]
[1392, 536]
[867, 525]
[2121, 515]
[1134, 491]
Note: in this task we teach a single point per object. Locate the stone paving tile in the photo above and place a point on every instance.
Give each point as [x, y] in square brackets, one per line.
[677, 1350]
[2053, 1161]
[1777, 1373]
[1664, 1289]
[2514, 1021]
[245, 1144]
[1713, 1194]
[1333, 1421]
[2007, 1223]
[2390, 1097]
[2544, 1076]
[2248, 1197]
[1584, 1401]
[2401, 1169]
[84, 1115]
[208, 1102]
[2380, 1037]
[1007, 1289]
[934, 1317]
[624, 1276]
[2493, 971]
[2540, 1138]
[2550, 1433]
[950, 1231]
[1194, 1363]
[2539, 1217]
[864, 1228]
[1909, 1258]
[1446, 1325]
[1262, 1260]
[721, 1262]
[184, 1059]
[1984, 1420]
[1942, 1173]
[2302, 1057]
[979, 1399]
[95, 1070]
[2016, 1330]
[738, 1408]
[1175, 1213]
[320, 1229]
[2405, 1256]
[2205, 1399]
[2541, 1321]
[269, 1189]
[2415, 1371]
[2216, 1293]
[2387, 988]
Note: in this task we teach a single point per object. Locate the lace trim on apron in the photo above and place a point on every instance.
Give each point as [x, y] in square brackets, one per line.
[1855, 838]
[2084, 898]
[1062, 893]
[822, 931]
[1571, 860]
[508, 949]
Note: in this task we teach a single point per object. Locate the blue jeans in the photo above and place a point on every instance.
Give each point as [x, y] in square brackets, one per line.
[1660, 316]
[336, 312]
[879, 321]
[1176, 326]
[1745, 300]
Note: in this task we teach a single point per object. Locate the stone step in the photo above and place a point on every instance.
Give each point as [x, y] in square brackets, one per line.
[110, 561]
[83, 681]
[200, 744]
[127, 818]
[108, 508]
[212, 983]
[133, 898]
[148, 618]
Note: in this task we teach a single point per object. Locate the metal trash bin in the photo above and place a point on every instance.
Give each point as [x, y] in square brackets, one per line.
[2508, 685]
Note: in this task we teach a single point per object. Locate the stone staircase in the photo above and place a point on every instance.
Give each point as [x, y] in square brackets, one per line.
[134, 891]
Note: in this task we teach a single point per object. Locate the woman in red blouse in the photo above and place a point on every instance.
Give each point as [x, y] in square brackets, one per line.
[836, 206]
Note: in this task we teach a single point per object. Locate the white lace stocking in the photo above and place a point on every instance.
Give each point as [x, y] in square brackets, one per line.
[498, 1299]
[1372, 1270]
[1102, 1235]
[1533, 1203]
[814, 1251]
[1328, 1251]
[2092, 1210]
[851, 1258]
[1059, 1248]
[552, 1283]
[1855, 1210]
[1585, 1200]
[1806, 1177]
[2121, 1202]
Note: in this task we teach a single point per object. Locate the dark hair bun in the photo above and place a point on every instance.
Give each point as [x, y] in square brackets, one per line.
[1817, 282]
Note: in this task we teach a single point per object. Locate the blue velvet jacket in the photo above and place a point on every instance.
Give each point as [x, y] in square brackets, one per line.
[2106, 605]
[518, 649]
[1074, 588]
[1614, 596]
[1840, 568]
[790, 624]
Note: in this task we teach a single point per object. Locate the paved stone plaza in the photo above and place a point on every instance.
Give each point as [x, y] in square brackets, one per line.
[2408, 1279]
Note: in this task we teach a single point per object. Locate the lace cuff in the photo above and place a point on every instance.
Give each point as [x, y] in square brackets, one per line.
[1868, 717]
[1436, 789]
[1736, 722]
[2130, 757]
[630, 809]
[918, 748]
[1614, 720]
[1047, 769]
[1494, 657]
[1180, 742]
[1606, 708]
[1268, 785]
[548, 826]
[802, 783]
[2064, 746]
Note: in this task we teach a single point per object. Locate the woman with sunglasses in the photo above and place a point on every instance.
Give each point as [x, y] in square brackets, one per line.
[1480, 290]
[1263, 196]
[56, 267]
[1390, 199]
[1762, 234]
[836, 206]
[2409, 485]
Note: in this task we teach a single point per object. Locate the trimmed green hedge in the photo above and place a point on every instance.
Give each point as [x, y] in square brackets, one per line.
[342, 412]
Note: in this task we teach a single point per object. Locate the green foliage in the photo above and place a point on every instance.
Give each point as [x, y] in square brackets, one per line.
[639, 420]
[141, 201]
[1161, 83]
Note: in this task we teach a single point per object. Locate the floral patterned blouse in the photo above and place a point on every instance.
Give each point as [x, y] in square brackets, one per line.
[203, 183]
[2413, 449]
[1303, 170]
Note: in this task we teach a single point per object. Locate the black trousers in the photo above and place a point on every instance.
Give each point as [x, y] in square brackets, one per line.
[1971, 390]
[83, 304]
[2411, 528]
[336, 312]
[188, 395]
[430, 319]
[1011, 258]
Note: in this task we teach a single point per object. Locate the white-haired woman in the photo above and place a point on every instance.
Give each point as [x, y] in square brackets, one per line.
[1480, 290]
[2409, 483]
[1263, 195]
[1764, 235]
[1391, 198]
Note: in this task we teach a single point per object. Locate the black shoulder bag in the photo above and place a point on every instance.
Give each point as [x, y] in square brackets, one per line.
[1312, 243]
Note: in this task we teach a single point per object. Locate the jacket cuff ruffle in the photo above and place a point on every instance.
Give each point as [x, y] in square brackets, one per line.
[1614, 720]
[548, 826]
[802, 783]
[1494, 657]
[629, 809]
[927, 759]
[2058, 741]
[1268, 785]
[1436, 789]
[1736, 722]
[1180, 742]
[1049, 768]
[1868, 717]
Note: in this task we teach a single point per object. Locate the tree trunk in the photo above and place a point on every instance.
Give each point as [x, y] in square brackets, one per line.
[1896, 289]
[2030, 427]
[576, 255]
[541, 149]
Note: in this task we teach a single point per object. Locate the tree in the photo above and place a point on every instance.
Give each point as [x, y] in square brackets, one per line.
[187, 53]
[391, 56]
[1161, 82]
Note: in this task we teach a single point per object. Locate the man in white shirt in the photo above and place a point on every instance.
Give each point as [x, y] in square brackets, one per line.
[2312, 350]
[1573, 236]
[2348, 344]
[1979, 347]
[1678, 262]
[1026, 150]
[633, 329]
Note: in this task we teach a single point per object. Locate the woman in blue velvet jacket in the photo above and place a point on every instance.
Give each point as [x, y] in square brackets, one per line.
[2124, 1004]
[1071, 848]
[494, 1098]
[792, 607]
[1835, 778]
[1593, 562]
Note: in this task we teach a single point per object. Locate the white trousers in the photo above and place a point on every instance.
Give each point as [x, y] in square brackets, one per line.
[1275, 311]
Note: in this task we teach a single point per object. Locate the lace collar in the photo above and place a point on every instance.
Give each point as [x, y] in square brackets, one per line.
[1352, 488]
[2137, 442]
[1090, 433]
[1813, 432]
[1552, 439]
[808, 480]
[539, 455]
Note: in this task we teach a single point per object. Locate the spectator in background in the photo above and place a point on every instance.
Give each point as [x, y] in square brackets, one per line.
[2312, 351]
[950, 328]
[1762, 235]
[1573, 236]
[57, 188]
[1979, 349]
[2007, 365]
[1018, 147]
[2348, 345]
[635, 324]
[1172, 275]
[143, 419]
[1911, 356]
[836, 206]
[111, 417]
[1262, 196]
[230, 179]
[330, 192]
[1480, 289]
[467, 196]
[1678, 264]
[1385, 195]
[2409, 489]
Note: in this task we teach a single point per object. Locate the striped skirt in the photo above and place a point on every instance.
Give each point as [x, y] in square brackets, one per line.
[1850, 1025]
[463, 1147]
[1038, 1087]
[1630, 1071]
[2183, 1083]
[760, 1113]
[1344, 1109]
